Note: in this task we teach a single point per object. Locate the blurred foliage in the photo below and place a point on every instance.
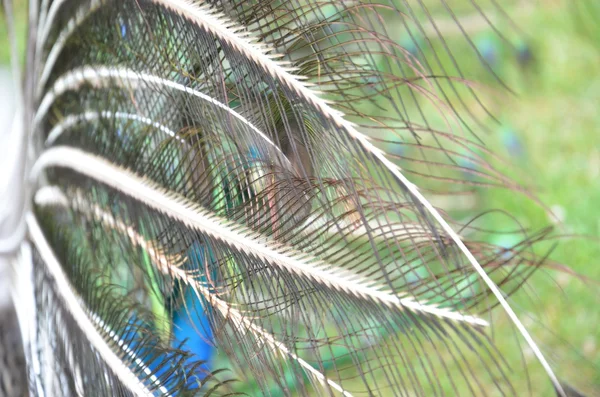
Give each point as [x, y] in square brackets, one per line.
[20, 17]
[550, 134]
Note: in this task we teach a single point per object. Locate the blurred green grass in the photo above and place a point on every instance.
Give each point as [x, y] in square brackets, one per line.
[553, 111]
[20, 20]
[555, 114]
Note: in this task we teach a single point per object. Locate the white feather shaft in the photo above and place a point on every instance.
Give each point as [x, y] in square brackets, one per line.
[80, 16]
[219, 26]
[235, 235]
[51, 196]
[72, 120]
[73, 304]
[102, 75]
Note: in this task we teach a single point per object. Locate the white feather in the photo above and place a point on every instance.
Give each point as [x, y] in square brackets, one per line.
[220, 26]
[88, 325]
[72, 120]
[102, 75]
[217, 26]
[235, 235]
[53, 196]
[80, 16]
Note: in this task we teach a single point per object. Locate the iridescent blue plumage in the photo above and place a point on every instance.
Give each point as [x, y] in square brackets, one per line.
[193, 333]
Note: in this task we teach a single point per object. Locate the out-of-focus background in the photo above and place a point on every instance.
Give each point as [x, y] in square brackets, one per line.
[13, 378]
[549, 132]
[8, 88]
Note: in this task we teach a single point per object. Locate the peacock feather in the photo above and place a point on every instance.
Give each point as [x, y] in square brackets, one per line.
[243, 197]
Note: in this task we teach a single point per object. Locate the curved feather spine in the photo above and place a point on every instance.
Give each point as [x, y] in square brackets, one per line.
[47, 20]
[101, 74]
[23, 295]
[216, 24]
[73, 120]
[221, 27]
[53, 196]
[44, 9]
[87, 325]
[47, 15]
[235, 235]
[58, 46]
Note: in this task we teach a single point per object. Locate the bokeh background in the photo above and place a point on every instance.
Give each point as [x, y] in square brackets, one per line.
[548, 133]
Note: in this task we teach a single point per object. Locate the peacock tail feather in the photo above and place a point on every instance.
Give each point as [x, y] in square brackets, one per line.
[241, 197]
